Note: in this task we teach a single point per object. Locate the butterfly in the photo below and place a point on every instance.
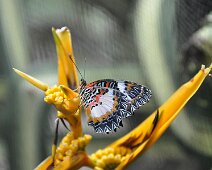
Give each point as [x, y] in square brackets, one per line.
[107, 102]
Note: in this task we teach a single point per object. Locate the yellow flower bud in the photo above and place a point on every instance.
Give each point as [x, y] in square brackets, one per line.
[56, 162]
[59, 156]
[100, 163]
[69, 153]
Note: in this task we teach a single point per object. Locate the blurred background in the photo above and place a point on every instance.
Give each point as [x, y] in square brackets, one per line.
[158, 43]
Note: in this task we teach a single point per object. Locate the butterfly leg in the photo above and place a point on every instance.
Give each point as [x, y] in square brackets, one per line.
[54, 146]
[76, 90]
[63, 122]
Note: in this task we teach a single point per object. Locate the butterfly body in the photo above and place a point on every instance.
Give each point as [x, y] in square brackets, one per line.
[108, 101]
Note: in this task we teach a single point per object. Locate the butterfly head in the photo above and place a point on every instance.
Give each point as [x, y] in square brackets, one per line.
[83, 83]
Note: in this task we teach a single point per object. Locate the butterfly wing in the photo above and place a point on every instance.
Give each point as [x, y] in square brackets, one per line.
[137, 94]
[108, 101]
[104, 107]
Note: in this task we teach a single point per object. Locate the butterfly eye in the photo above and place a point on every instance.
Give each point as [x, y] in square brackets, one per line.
[83, 82]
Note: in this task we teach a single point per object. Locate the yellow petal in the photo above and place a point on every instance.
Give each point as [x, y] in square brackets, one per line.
[167, 113]
[67, 73]
[67, 76]
[172, 107]
[32, 80]
[68, 92]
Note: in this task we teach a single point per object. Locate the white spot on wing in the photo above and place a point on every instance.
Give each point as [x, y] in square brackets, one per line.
[121, 87]
[107, 105]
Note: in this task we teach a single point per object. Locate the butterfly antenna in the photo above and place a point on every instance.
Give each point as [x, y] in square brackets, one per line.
[84, 67]
[70, 56]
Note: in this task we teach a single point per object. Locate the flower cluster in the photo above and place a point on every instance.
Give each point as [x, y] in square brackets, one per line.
[70, 146]
[109, 158]
[64, 102]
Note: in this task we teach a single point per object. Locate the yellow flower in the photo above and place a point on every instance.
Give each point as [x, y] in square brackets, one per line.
[69, 147]
[66, 103]
[71, 153]
[110, 157]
